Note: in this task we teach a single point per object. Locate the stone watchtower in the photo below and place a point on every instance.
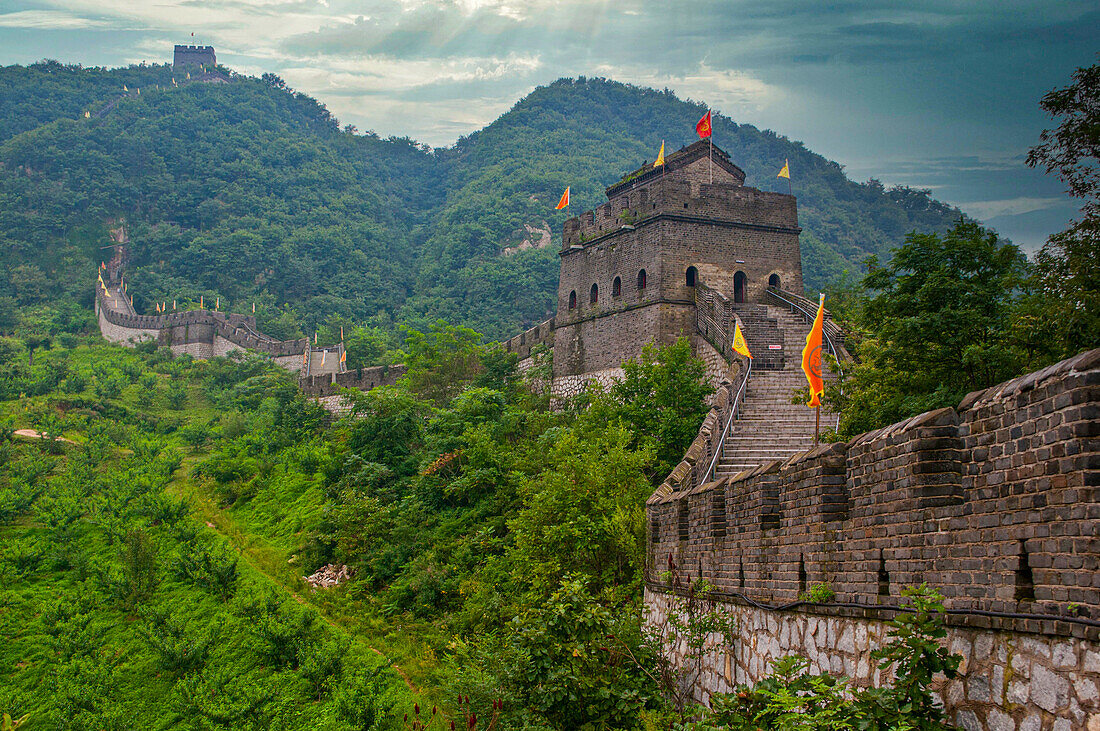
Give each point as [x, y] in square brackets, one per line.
[194, 56]
[630, 267]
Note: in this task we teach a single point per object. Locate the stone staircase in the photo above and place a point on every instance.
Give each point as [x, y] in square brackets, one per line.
[762, 334]
[770, 426]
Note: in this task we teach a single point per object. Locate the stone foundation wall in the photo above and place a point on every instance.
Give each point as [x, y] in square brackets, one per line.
[1008, 681]
[570, 386]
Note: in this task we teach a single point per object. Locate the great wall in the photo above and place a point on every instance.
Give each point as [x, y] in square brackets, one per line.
[993, 503]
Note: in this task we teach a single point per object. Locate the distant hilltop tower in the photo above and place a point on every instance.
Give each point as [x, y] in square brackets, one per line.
[629, 269]
[194, 56]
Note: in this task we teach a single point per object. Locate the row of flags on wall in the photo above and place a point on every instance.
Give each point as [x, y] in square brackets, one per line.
[705, 130]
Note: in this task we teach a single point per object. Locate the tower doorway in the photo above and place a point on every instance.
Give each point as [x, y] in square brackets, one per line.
[739, 281]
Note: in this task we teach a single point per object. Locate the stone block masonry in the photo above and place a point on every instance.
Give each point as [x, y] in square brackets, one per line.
[994, 503]
[630, 268]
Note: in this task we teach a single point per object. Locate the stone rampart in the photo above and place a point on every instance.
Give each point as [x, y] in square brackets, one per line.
[714, 203]
[522, 344]
[209, 334]
[362, 379]
[994, 503]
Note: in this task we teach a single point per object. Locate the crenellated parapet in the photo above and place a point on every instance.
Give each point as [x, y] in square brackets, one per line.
[362, 379]
[522, 344]
[679, 200]
[208, 333]
[995, 503]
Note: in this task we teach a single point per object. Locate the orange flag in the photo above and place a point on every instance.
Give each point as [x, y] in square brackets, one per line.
[811, 357]
[739, 344]
[564, 200]
[703, 125]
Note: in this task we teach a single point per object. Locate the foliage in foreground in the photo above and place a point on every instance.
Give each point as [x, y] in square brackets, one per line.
[119, 608]
[792, 698]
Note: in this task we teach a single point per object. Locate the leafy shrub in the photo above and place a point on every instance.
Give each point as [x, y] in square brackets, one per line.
[179, 647]
[175, 396]
[793, 698]
[22, 557]
[321, 663]
[819, 593]
[216, 571]
[70, 622]
[286, 631]
[138, 578]
[363, 701]
[218, 698]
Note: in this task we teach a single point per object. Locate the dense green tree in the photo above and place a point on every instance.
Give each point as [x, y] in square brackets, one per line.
[938, 326]
[1063, 310]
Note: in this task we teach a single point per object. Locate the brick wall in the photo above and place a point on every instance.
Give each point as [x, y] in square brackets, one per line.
[363, 379]
[994, 503]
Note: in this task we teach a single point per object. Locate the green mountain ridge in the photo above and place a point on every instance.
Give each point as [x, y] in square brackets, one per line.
[253, 193]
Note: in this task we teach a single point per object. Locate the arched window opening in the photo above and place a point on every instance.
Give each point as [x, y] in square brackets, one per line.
[617, 287]
[739, 280]
[594, 295]
[692, 276]
[573, 300]
[773, 281]
[641, 279]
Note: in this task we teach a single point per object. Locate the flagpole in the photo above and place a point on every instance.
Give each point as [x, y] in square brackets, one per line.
[817, 425]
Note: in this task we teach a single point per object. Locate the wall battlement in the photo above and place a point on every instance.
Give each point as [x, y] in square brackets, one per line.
[194, 55]
[995, 503]
[720, 203]
[522, 344]
[208, 333]
[362, 379]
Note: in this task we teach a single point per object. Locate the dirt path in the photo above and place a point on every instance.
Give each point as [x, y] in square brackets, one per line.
[32, 434]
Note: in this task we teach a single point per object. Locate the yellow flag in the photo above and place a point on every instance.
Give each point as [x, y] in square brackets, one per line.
[124, 88]
[87, 115]
[739, 344]
[786, 171]
[660, 155]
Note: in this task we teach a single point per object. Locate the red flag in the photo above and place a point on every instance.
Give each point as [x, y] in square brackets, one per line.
[564, 200]
[703, 125]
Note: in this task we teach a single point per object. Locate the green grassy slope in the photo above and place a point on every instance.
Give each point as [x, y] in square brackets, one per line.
[126, 599]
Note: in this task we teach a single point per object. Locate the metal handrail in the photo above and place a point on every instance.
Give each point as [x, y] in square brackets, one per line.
[810, 316]
[729, 423]
[806, 314]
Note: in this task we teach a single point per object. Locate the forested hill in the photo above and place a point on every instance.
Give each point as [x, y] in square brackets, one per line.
[252, 192]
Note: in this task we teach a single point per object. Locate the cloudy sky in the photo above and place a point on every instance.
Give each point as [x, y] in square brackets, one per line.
[939, 94]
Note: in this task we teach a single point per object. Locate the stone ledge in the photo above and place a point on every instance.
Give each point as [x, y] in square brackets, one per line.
[1037, 624]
